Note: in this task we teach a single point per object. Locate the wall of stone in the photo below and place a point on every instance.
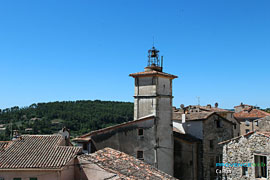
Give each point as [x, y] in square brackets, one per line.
[211, 132]
[242, 150]
[126, 139]
[264, 124]
[230, 117]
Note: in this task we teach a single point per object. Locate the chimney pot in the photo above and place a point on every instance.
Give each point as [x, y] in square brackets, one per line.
[183, 118]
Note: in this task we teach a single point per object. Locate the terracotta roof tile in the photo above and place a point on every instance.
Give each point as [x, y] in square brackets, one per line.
[125, 166]
[251, 114]
[3, 145]
[192, 116]
[37, 151]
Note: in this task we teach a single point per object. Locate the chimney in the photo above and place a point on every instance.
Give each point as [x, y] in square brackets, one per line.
[183, 118]
[66, 134]
[216, 105]
[209, 106]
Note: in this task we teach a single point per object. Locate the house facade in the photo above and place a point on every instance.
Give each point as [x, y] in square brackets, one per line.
[247, 157]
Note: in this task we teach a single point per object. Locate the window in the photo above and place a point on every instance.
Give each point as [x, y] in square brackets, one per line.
[33, 178]
[17, 178]
[211, 143]
[84, 146]
[218, 123]
[1, 178]
[260, 167]
[140, 154]
[244, 171]
[247, 122]
[257, 123]
[140, 132]
[247, 131]
[234, 126]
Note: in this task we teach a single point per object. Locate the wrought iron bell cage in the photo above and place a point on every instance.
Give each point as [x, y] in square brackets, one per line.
[153, 57]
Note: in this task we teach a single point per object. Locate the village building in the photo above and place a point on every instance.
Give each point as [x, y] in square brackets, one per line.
[210, 128]
[112, 164]
[227, 114]
[246, 157]
[38, 157]
[150, 136]
[248, 117]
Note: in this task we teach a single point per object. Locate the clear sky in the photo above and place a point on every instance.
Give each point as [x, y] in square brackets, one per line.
[82, 49]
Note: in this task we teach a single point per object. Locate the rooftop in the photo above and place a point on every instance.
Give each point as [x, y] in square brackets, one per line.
[265, 133]
[36, 151]
[251, 113]
[124, 166]
[84, 137]
[192, 116]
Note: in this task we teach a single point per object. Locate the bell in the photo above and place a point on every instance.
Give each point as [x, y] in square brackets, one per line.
[153, 54]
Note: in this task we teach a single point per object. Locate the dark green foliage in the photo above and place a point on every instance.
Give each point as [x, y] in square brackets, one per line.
[78, 116]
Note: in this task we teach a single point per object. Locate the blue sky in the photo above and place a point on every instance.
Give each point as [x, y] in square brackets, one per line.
[80, 50]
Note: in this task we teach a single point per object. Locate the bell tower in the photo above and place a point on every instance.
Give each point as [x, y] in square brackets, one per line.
[153, 96]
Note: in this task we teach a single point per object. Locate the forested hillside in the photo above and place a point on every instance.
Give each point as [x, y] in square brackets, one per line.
[78, 116]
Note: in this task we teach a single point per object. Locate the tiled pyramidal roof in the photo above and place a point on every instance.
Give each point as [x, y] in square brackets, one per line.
[37, 151]
[124, 165]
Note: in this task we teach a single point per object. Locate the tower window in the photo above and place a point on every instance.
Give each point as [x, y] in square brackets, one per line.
[140, 155]
[211, 143]
[140, 132]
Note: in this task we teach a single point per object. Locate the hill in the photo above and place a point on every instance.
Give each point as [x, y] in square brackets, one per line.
[78, 116]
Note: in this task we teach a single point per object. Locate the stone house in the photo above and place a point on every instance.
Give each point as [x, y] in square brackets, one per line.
[38, 157]
[211, 128]
[112, 164]
[247, 157]
[248, 115]
[150, 136]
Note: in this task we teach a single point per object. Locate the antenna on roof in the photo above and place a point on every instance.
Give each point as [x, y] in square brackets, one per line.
[153, 41]
[198, 100]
